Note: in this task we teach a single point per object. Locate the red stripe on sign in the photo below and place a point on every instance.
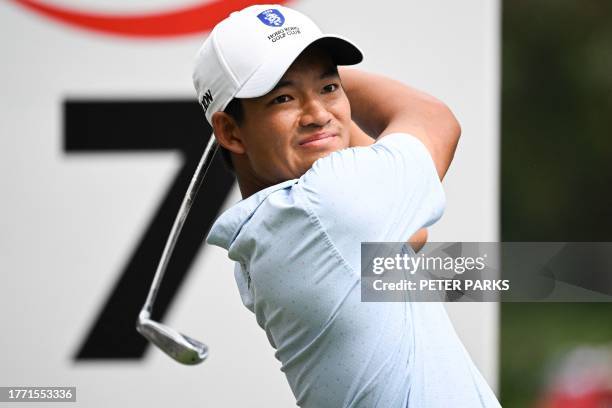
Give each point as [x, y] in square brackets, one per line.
[188, 20]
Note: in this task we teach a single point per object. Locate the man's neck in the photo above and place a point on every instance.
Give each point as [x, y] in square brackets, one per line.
[247, 189]
[248, 182]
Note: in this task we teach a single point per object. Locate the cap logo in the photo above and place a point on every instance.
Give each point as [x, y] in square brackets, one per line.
[207, 100]
[272, 18]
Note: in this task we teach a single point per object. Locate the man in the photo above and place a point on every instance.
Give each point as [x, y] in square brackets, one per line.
[315, 186]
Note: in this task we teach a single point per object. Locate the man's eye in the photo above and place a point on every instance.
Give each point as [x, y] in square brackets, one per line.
[330, 88]
[281, 99]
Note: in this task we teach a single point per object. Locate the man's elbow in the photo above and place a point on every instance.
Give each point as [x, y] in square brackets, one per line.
[445, 132]
[447, 125]
[454, 128]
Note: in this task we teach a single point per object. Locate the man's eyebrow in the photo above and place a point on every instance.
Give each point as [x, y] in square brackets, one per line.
[280, 84]
[328, 73]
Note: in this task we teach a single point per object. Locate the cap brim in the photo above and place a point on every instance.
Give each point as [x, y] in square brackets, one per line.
[263, 80]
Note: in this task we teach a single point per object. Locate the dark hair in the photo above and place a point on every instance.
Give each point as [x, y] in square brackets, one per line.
[236, 111]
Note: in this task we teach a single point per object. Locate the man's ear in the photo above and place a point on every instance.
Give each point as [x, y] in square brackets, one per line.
[227, 132]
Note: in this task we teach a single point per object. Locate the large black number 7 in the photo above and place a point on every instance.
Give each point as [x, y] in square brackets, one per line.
[120, 126]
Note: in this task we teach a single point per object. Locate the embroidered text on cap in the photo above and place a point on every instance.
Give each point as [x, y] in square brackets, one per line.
[207, 100]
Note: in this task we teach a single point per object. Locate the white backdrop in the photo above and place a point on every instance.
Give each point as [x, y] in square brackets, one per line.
[69, 223]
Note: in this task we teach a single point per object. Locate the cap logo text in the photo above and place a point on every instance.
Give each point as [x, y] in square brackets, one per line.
[206, 100]
[272, 18]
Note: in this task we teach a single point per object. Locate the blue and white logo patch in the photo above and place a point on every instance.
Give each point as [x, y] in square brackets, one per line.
[272, 17]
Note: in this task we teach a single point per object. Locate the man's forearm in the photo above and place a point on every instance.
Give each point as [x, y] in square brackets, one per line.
[381, 106]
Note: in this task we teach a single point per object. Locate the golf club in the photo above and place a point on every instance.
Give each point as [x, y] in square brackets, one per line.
[182, 348]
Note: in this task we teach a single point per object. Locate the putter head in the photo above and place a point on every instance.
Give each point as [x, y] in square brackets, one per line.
[181, 348]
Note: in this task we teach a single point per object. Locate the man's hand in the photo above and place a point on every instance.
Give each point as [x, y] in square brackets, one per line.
[418, 240]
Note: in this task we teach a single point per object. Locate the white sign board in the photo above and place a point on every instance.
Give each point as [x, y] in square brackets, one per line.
[93, 156]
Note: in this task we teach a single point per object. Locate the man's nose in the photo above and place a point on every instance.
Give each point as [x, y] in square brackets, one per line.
[314, 113]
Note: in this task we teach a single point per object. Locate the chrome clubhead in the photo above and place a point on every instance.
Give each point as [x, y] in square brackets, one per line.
[181, 348]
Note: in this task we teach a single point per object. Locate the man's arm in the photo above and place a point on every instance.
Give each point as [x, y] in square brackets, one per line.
[360, 138]
[381, 106]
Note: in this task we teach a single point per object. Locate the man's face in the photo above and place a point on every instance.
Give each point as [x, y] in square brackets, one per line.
[305, 117]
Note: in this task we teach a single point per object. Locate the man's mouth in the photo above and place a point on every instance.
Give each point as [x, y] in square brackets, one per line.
[317, 139]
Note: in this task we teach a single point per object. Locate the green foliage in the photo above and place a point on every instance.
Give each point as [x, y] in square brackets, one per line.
[556, 168]
[557, 120]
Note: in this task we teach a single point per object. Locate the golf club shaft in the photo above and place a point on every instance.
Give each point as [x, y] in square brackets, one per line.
[192, 191]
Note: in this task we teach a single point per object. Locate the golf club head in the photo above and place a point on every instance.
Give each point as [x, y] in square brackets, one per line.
[181, 348]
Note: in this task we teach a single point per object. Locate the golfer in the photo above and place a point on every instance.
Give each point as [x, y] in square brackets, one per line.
[327, 159]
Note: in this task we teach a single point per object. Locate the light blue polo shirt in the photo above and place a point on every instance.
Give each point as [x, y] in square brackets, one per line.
[297, 250]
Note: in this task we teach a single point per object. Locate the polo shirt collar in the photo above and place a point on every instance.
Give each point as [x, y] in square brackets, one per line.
[226, 228]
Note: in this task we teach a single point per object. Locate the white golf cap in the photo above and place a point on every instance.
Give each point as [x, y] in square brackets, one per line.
[246, 54]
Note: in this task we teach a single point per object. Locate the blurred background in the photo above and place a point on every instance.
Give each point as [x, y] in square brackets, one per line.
[100, 133]
[556, 185]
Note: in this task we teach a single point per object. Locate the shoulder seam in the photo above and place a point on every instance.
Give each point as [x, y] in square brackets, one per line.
[314, 218]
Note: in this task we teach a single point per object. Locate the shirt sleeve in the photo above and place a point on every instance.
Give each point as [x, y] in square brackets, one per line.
[383, 192]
